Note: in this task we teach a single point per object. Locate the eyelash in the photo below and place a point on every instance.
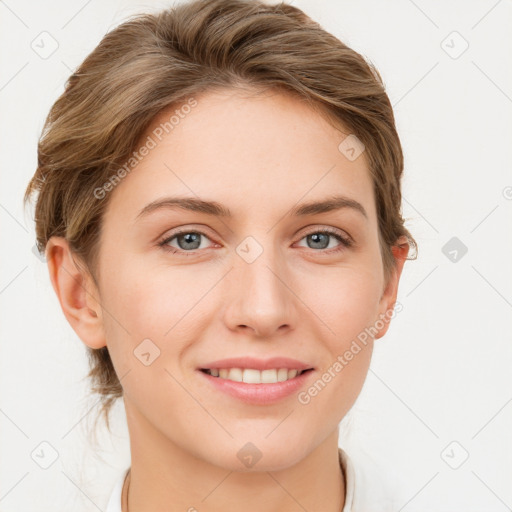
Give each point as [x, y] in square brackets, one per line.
[345, 243]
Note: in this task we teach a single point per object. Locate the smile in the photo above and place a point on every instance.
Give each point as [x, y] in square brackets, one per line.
[254, 376]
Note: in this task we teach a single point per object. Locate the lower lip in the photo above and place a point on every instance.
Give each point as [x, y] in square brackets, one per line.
[261, 394]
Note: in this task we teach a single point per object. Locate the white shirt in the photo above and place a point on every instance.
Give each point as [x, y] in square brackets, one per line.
[365, 489]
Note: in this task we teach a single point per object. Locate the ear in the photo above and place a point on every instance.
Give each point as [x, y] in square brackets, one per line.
[388, 299]
[77, 293]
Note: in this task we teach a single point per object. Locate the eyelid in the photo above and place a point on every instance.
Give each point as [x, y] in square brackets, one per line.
[316, 228]
[189, 228]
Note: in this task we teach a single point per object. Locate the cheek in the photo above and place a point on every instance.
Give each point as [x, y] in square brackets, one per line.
[330, 397]
[147, 302]
[344, 300]
[132, 309]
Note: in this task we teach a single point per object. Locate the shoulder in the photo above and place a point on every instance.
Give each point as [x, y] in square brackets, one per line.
[369, 486]
[114, 502]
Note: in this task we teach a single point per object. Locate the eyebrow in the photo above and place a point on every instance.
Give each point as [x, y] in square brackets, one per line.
[216, 209]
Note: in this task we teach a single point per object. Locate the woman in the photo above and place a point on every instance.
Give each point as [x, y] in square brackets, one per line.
[219, 203]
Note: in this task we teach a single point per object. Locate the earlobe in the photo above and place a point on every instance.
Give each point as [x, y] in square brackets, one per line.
[76, 292]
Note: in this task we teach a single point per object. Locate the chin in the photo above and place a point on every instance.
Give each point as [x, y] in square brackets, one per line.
[259, 455]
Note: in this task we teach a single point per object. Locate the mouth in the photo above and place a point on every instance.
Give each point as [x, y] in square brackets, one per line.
[257, 381]
[257, 387]
[255, 376]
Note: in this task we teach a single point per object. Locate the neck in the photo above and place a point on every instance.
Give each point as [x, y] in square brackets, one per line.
[164, 476]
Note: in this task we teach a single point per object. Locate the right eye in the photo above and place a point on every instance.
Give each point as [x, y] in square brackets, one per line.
[186, 240]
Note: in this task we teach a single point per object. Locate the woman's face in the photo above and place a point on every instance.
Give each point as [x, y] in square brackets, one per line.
[261, 283]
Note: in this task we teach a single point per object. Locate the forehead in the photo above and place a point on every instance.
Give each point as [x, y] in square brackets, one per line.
[244, 149]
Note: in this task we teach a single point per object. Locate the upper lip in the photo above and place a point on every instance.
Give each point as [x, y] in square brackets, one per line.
[258, 364]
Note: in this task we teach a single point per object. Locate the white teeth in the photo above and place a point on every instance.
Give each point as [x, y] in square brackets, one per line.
[292, 373]
[282, 374]
[269, 376]
[235, 374]
[252, 376]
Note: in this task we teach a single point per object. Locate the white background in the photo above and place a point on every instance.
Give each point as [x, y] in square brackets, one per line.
[443, 371]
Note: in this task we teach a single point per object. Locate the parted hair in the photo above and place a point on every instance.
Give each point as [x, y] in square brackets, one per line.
[153, 61]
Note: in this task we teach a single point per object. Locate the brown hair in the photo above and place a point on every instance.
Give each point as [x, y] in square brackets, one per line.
[152, 62]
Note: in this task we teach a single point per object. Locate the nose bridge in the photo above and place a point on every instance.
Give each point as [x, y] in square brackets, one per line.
[259, 297]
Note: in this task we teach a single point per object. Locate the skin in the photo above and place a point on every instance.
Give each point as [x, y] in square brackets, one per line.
[258, 155]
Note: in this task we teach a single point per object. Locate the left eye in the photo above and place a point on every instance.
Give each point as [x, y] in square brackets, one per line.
[321, 240]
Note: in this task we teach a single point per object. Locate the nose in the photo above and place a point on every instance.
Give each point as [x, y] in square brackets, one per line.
[260, 298]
